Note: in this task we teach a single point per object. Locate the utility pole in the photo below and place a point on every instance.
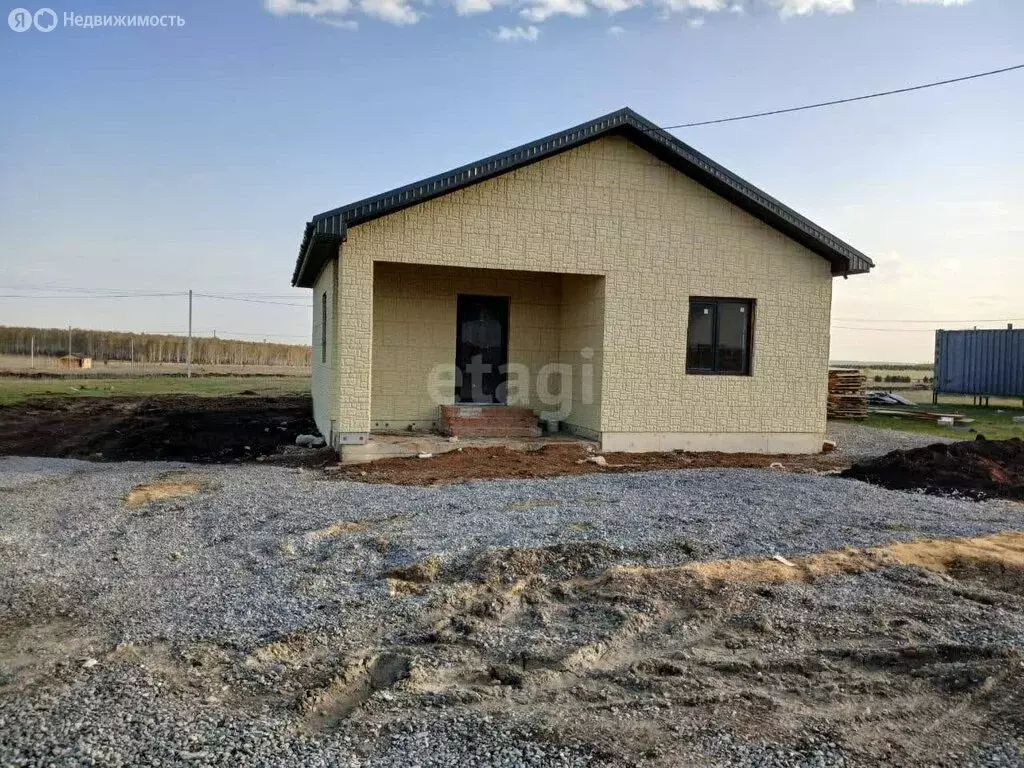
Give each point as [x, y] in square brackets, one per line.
[188, 347]
[32, 353]
[69, 338]
[132, 340]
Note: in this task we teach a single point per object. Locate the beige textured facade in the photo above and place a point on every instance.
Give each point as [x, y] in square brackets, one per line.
[325, 394]
[599, 249]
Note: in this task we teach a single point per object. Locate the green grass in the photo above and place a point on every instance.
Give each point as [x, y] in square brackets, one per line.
[13, 390]
[993, 425]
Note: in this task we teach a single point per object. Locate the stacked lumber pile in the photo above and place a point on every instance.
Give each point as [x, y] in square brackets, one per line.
[932, 416]
[846, 398]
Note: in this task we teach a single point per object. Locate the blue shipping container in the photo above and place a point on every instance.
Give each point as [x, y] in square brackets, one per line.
[980, 363]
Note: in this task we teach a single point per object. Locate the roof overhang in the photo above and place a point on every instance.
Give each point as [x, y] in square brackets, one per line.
[328, 229]
[319, 246]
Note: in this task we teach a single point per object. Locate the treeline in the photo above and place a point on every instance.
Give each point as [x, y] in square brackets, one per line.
[149, 348]
[882, 366]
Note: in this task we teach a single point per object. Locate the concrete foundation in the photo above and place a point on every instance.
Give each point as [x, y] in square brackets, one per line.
[406, 446]
[725, 442]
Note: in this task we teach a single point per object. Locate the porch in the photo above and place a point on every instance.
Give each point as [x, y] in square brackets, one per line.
[484, 338]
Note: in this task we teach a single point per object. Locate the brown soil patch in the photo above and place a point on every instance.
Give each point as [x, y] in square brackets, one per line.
[422, 572]
[977, 469]
[556, 460]
[31, 651]
[158, 490]
[1005, 550]
[161, 428]
[337, 529]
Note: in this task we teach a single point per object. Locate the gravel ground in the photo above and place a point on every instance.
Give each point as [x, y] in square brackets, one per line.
[249, 624]
[857, 441]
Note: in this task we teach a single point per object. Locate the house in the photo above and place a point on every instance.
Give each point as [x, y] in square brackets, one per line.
[74, 361]
[609, 278]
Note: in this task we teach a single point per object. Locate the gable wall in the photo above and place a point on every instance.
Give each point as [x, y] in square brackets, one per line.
[609, 208]
[324, 399]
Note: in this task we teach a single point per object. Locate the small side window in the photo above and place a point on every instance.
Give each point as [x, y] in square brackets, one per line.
[323, 327]
[719, 336]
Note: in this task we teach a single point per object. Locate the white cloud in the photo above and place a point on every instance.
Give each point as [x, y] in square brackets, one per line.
[341, 13]
[616, 31]
[616, 6]
[517, 34]
[467, 7]
[542, 10]
[678, 6]
[311, 8]
[789, 8]
[392, 11]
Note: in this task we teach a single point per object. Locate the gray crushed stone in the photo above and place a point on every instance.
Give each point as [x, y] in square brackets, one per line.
[218, 562]
[242, 562]
[858, 441]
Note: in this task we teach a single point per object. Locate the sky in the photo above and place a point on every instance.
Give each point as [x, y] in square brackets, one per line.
[153, 160]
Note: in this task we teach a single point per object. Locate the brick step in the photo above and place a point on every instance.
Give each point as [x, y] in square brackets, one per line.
[486, 412]
[488, 421]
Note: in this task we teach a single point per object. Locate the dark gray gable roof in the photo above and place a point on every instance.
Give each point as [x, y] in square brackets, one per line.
[327, 230]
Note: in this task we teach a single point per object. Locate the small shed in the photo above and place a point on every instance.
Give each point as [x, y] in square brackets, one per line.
[74, 361]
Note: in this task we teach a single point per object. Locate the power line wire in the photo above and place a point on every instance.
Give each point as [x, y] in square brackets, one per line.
[834, 102]
[253, 301]
[94, 296]
[140, 295]
[139, 291]
[226, 334]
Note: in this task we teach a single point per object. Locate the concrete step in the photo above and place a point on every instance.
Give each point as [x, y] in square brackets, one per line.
[490, 431]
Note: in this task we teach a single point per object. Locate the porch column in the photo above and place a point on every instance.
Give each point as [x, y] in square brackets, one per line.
[354, 334]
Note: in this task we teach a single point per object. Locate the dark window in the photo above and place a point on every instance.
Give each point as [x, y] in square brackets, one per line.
[719, 336]
[323, 328]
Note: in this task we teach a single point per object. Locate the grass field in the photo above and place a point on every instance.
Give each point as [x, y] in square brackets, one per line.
[995, 421]
[13, 390]
[117, 368]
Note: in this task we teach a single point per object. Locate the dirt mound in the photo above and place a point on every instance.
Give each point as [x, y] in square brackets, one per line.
[560, 561]
[980, 469]
[165, 427]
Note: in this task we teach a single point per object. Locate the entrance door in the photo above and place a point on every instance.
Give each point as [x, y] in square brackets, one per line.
[481, 348]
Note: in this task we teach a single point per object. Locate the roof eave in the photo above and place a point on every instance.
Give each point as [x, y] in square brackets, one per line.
[319, 245]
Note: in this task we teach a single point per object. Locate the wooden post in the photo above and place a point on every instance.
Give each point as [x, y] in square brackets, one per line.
[32, 353]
